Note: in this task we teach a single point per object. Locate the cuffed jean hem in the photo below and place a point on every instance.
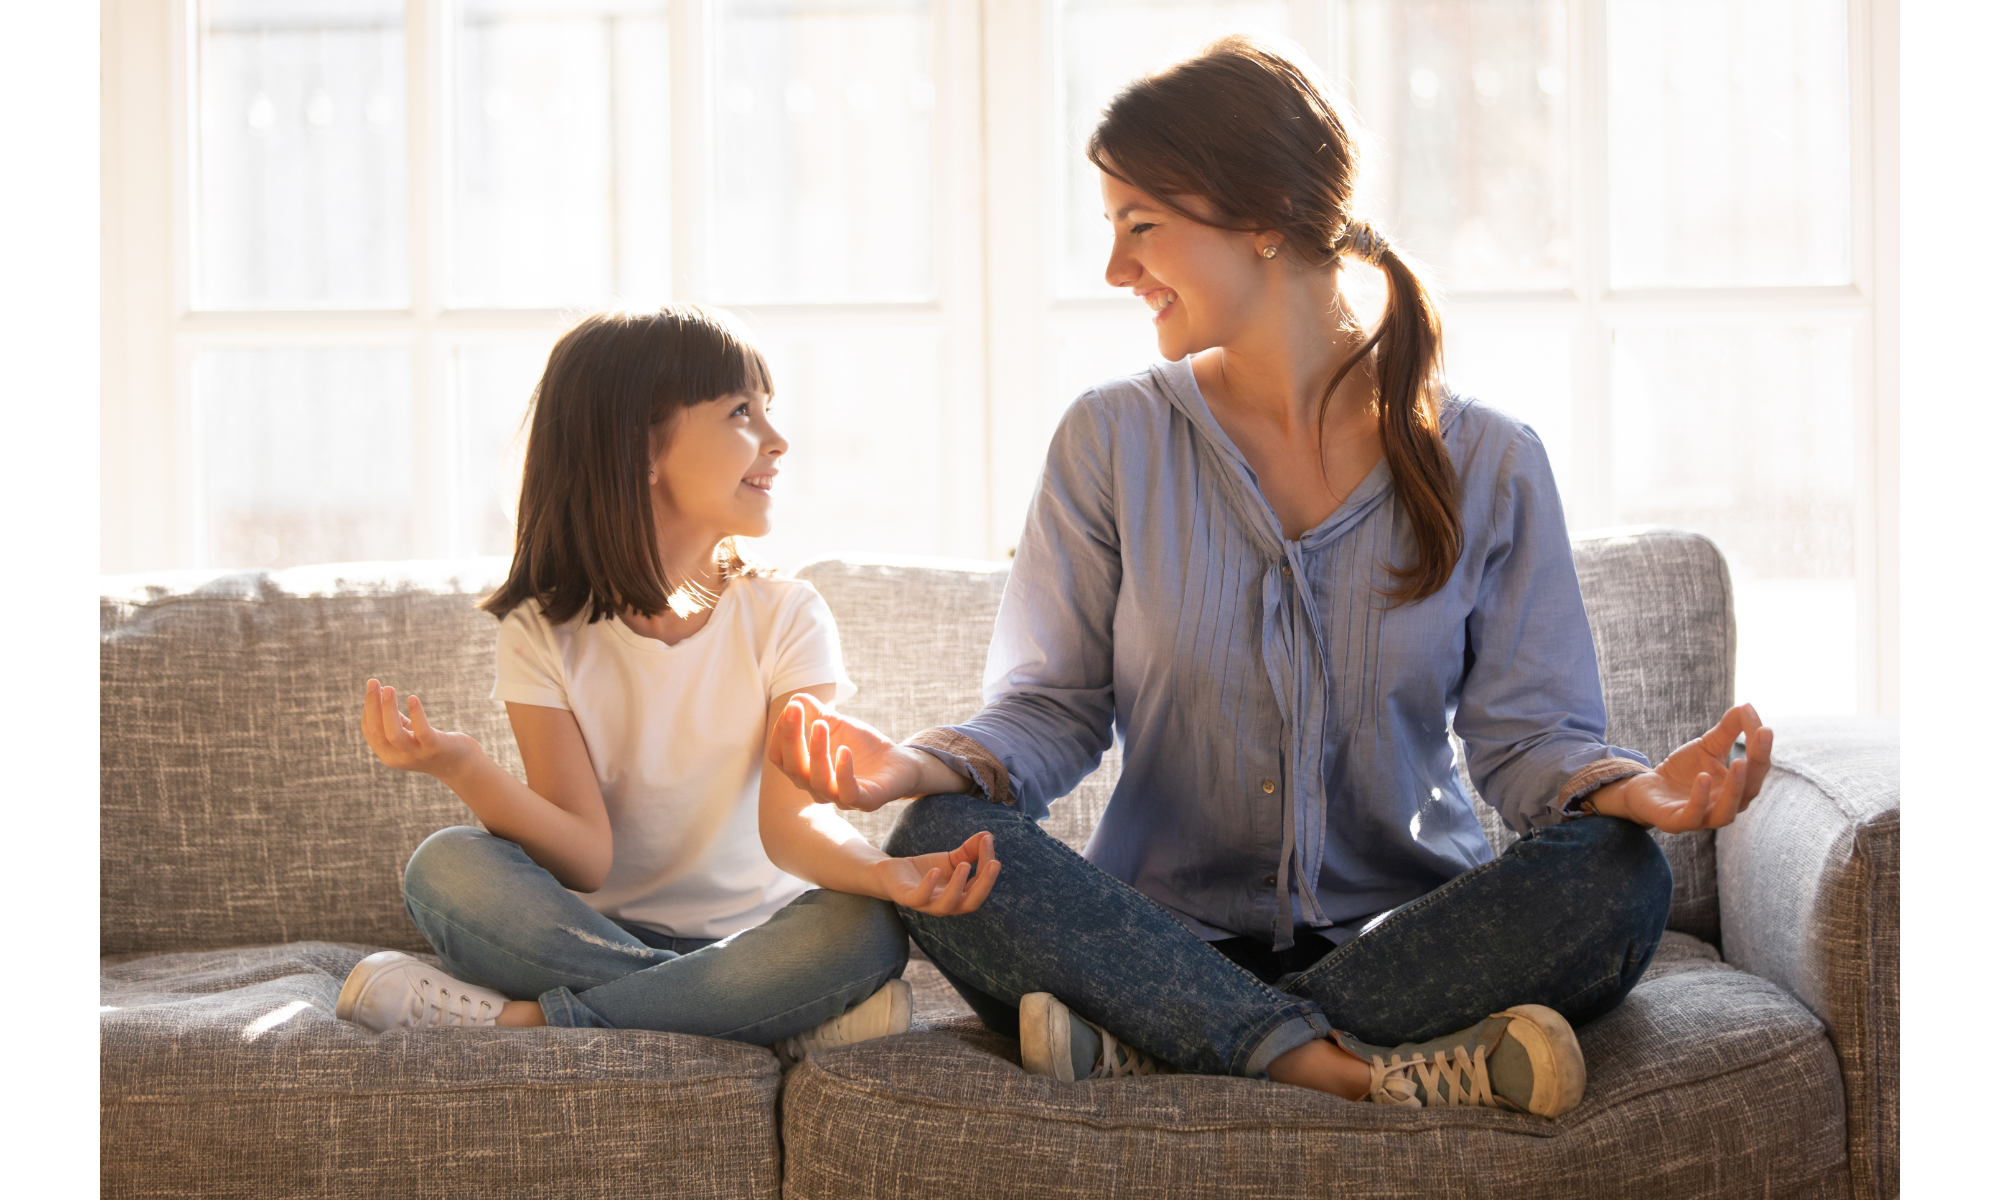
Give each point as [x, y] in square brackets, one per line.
[1298, 1025]
[561, 1009]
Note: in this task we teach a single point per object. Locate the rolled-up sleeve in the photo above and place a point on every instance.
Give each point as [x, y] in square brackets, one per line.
[1531, 707]
[1048, 684]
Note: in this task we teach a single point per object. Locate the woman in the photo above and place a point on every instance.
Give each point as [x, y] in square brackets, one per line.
[1283, 566]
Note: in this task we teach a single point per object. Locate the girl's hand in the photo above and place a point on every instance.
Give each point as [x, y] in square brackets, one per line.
[942, 885]
[840, 761]
[409, 743]
[1697, 787]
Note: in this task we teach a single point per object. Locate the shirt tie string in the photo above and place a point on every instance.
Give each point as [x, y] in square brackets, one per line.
[1288, 628]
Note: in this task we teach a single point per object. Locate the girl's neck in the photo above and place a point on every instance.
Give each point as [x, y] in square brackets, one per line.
[693, 567]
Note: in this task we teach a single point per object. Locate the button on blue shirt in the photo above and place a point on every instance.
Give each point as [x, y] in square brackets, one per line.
[1285, 728]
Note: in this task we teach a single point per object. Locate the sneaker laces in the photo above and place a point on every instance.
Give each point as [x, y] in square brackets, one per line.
[1116, 1060]
[1450, 1078]
[433, 1003]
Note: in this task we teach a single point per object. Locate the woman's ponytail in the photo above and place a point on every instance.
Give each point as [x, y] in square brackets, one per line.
[1408, 384]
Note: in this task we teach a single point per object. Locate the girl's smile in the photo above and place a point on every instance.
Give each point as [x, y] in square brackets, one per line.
[713, 477]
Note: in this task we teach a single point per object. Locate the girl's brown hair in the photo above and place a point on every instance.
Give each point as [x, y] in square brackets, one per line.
[1246, 129]
[583, 536]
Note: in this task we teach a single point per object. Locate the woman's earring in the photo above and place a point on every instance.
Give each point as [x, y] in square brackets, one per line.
[652, 476]
[1269, 252]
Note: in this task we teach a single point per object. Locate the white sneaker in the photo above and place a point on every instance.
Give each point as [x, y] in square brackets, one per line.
[1058, 1044]
[391, 990]
[884, 1013]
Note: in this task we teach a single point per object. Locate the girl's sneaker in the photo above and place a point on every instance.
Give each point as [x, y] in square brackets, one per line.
[391, 990]
[1525, 1059]
[1058, 1044]
[881, 1014]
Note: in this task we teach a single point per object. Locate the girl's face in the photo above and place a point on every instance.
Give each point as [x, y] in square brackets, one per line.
[712, 476]
[1201, 282]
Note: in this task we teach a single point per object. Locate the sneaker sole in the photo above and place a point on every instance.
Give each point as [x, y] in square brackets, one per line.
[1553, 1053]
[358, 980]
[1045, 1037]
[900, 1013]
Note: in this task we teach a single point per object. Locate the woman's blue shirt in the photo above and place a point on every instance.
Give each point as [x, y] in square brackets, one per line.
[1286, 729]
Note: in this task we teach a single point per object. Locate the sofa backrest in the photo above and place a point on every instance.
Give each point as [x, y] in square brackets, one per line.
[240, 806]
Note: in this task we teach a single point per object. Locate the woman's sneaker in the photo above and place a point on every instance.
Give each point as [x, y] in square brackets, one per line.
[1058, 1044]
[391, 990]
[885, 1012]
[1525, 1059]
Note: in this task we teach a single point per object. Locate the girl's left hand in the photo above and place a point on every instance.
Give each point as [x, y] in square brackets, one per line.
[942, 885]
[1697, 787]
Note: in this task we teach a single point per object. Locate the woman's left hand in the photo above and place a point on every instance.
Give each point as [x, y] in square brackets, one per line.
[944, 884]
[1697, 787]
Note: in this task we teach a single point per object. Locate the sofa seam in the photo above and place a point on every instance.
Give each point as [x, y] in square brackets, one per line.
[300, 1094]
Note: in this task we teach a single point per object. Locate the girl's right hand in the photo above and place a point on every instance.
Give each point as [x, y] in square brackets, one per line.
[409, 743]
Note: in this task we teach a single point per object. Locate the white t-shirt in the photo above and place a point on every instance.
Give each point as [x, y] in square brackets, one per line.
[676, 734]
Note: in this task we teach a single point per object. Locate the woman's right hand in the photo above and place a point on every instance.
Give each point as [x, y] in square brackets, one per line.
[847, 763]
[409, 743]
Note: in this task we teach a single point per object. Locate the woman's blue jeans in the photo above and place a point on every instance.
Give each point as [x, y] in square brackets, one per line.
[1569, 917]
[497, 919]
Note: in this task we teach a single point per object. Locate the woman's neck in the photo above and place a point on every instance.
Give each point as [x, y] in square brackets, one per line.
[1266, 388]
[1275, 370]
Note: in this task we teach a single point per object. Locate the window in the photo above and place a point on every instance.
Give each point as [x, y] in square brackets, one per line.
[343, 234]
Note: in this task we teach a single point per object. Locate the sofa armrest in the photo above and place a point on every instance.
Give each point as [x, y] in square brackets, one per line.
[1810, 888]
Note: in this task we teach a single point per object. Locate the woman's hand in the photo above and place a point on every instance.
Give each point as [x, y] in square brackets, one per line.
[847, 763]
[409, 743]
[942, 885]
[1697, 787]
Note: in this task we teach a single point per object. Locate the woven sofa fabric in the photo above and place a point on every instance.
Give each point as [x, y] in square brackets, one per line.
[1811, 884]
[238, 803]
[225, 1074]
[1706, 1082]
[1662, 619]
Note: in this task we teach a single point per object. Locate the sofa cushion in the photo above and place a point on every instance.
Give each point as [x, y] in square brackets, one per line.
[225, 1073]
[238, 804]
[1705, 1082]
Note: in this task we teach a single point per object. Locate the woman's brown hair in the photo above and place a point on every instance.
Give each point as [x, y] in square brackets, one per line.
[583, 535]
[1251, 132]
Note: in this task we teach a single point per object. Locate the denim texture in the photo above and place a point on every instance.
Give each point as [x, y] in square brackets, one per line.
[1055, 923]
[1569, 917]
[496, 918]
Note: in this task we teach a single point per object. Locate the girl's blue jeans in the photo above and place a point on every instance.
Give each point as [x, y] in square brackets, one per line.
[1569, 917]
[497, 919]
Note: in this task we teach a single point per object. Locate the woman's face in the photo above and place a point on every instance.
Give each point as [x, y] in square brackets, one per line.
[1201, 282]
[713, 476]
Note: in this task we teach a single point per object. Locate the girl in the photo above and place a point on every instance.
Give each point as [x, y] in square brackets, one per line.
[1284, 566]
[643, 663]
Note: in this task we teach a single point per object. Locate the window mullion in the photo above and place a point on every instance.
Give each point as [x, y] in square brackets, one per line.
[427, 38]
[1590, 200]
[691, 55]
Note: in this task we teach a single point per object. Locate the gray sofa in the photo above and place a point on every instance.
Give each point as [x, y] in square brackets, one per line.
[251, 851]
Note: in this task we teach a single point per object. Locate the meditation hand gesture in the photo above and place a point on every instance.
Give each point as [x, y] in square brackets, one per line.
[409, 743]
[851, 764]
[1697, 787]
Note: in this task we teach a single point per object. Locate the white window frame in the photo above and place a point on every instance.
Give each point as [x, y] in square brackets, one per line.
[1000, 207]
